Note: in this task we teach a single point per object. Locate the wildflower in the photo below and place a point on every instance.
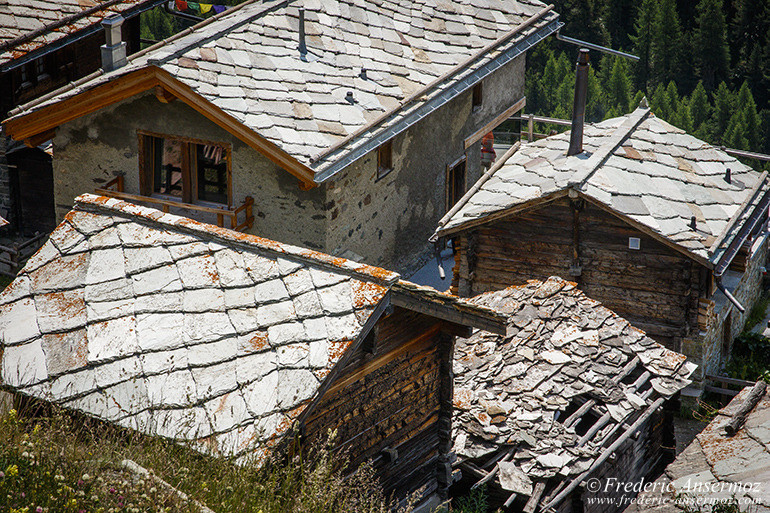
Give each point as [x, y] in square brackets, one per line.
[2, 474]
[12, 470]
[85, 477]
[38, 509]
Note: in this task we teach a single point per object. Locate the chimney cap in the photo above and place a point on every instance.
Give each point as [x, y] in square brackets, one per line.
[584, 56]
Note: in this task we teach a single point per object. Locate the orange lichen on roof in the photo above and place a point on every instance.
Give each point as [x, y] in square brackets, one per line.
[367, 294]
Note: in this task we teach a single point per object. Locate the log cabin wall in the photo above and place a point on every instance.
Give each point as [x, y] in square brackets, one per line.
[655, 287]
[392, 398]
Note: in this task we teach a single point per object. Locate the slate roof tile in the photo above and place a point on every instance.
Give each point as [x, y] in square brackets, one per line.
[183, 323]
[515, 392]
[634, 180]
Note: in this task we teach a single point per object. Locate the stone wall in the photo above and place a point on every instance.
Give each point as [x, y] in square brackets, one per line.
[388, 221]
[706, 349]
[94, 149]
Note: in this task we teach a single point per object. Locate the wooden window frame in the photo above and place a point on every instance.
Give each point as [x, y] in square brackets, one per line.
[189, 175]
[477, 96]
[384, 159]
[449, 183]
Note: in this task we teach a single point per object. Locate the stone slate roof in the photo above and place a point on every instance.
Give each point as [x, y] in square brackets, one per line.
[562, 350]
[27, 25]
[180, 329]
[637, 165]
[248, 64]
[719, 467]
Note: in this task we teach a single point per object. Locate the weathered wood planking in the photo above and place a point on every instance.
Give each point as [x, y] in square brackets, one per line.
[391, 398]
[654, 287]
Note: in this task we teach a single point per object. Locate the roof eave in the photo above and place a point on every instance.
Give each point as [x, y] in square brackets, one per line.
[27, 127]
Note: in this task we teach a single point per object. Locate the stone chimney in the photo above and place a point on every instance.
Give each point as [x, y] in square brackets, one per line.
[114, 52]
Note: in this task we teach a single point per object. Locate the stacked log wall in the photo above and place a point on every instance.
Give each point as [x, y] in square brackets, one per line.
[655, 287]
[390, 398]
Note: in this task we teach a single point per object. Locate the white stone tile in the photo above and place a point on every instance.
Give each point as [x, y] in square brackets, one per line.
[163, 361]
[294, 356]
[175, 389]
[318, 356]
[115, 372]
[206, 327]
[114, 290]
[286, 266]
[93, 404]
[294, 387]
[142, 259]
[308, 304]
[214, 380]
[104, 310]
[322, 278]
[244, 319]
[199, 272]
[18, 322]
[204, 300]
[238, 298]
[162, 279]
[43, 256]
[345, 327]
[255, 366]
[107, 238]
[67, 239]
[126, 398]
[180, 424]
[270, 291]
[68, 385]
[213, 352]
[181, 251]
[24, 365]
[58, 311]
[260, 268]
[232, 271]
[160, 302]
[89, 223]
[66, 272]
[112, 339]
[316, 328]
[261, 396]
[298, 282]
[285, 333]
[65, 352]
[275, 313]
[227, 411]
[159, 332]
[336, 299]
[105, 265]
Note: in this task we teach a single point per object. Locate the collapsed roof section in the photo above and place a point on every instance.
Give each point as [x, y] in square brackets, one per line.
[655, 176]
[185, 330]
[370, 70]
[538, 409]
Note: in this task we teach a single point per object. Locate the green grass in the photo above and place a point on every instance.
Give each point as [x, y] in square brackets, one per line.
[55, 462]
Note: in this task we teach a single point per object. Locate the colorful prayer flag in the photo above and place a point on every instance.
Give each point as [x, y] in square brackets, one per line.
[181, 5]
[194, 6]
[219, 8]
[205, 8]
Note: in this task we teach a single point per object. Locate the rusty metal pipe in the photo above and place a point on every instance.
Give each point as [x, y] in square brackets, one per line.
[579, 108]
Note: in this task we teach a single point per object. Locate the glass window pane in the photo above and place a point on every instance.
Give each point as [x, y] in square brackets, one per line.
[167, 167]
[212, 173]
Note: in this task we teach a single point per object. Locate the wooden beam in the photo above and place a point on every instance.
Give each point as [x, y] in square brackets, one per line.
[163, 95]
[139, 81]
[507, 113]
[37, 140]
[447, 313]
[66, 110]
[739, 417]
[457, 330]
[537, 492]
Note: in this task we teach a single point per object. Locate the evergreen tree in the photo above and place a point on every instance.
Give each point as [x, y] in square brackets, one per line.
[618, 16]
[618, 86]
[723, 111]
[659, 102]
[699, 106]
[750, 118]
[682, 117]
[710, 50]
[666, 48]
[156, 25]
[642, 41]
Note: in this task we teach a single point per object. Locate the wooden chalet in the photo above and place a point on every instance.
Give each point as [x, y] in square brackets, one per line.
[363, 119]
[571, 393]
[45, 45]
[223, 340]
[662, 228]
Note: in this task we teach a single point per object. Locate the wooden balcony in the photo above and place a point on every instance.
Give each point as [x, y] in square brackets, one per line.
[114, 189]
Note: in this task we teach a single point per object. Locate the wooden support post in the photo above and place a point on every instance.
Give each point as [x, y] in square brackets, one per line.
[531, 128]
[446, 392]
[537, 492]
[739, 417]
[576, 205]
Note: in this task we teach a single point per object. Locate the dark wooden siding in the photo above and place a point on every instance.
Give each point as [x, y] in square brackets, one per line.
[389, 398]
[655, 287]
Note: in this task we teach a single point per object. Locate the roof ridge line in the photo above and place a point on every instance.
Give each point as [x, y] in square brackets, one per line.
[93, 203]
[590, 166]
[420, 93]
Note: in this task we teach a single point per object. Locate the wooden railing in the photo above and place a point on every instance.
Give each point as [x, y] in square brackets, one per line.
[17, 255]
[114, 189]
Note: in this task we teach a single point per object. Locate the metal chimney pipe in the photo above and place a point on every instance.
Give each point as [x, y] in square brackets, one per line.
[302, 45]
[579, 108]
[114, 52]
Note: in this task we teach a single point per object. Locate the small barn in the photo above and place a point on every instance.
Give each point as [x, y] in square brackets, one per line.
[660, 227]
[571, 393]
[196, 333]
